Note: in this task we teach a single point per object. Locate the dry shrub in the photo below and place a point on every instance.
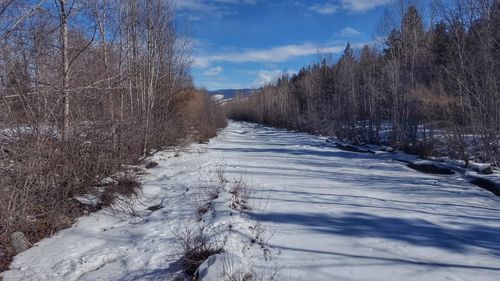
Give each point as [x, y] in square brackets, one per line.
[232, 270]
[213, 192]
[219, 171]
[203, 209]
[240, 194]
[205, 203]
[206, 116]
[125, 187]
[6, 254]
[193, 258]
[197, 247]
[41, 175]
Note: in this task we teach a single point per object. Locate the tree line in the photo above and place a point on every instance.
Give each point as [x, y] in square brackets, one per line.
[428, 90]
[86, 87]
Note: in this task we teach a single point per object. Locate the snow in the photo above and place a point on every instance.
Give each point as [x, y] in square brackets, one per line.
[317, 213]
[218, 97]
[13, 132]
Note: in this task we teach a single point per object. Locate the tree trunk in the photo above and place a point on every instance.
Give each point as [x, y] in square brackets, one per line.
[65, 70]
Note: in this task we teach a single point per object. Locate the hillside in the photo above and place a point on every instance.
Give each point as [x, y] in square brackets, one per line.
[231, 93]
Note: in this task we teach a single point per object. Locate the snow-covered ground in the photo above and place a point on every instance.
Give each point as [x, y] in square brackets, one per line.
[317, 213]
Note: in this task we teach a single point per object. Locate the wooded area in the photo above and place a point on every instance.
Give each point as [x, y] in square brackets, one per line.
[429, 90]
[87, 86]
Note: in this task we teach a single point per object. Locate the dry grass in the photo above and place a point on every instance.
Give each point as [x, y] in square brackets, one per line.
[126, 186]
[240, 194]
[197, 247]
[213, 192]
[219, 171]
[233, 271]
[203, 209]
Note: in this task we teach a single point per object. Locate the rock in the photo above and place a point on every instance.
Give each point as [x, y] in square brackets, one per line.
[387, 149]
[150, 164]
[486, 171]
[19, 242]
[490, 185]
[352, 148]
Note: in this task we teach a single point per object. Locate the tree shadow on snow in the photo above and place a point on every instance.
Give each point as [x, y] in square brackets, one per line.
[417, 232]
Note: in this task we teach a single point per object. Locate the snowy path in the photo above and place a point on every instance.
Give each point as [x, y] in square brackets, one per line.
[334, 215]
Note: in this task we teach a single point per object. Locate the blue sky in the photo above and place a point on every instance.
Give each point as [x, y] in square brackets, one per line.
[247, 43]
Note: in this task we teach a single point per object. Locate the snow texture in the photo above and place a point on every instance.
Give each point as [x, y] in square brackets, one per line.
[317, 213]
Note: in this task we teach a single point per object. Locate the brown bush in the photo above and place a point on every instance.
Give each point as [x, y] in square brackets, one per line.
[41, 173]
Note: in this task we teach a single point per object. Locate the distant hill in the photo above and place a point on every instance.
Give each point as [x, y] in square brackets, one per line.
[231, 93]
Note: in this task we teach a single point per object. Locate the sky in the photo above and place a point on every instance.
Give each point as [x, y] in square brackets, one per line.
[248, 43]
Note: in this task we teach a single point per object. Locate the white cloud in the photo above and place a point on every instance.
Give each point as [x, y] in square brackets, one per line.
[362, 5]
[194, 5]
[214, 71]
[324, 9]
[212, 8]
[277, 54]
[265, 77]
[357, 6]
[349, 32]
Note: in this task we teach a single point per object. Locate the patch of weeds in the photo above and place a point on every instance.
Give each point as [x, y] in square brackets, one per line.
[219, 170]
[123, 193]
[213, 192]
[240, 194]
[197, 247]
[261, 233]
[203, 209]
[232, 272]
[206, 196]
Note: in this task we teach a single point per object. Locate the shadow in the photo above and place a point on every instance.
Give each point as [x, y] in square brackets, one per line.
[319, 201]
[494, 212]
[297, 152]
[352, 148]
[487, 184]
[431, 168]
[417, 232]
[394, 261]
[168, 273]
